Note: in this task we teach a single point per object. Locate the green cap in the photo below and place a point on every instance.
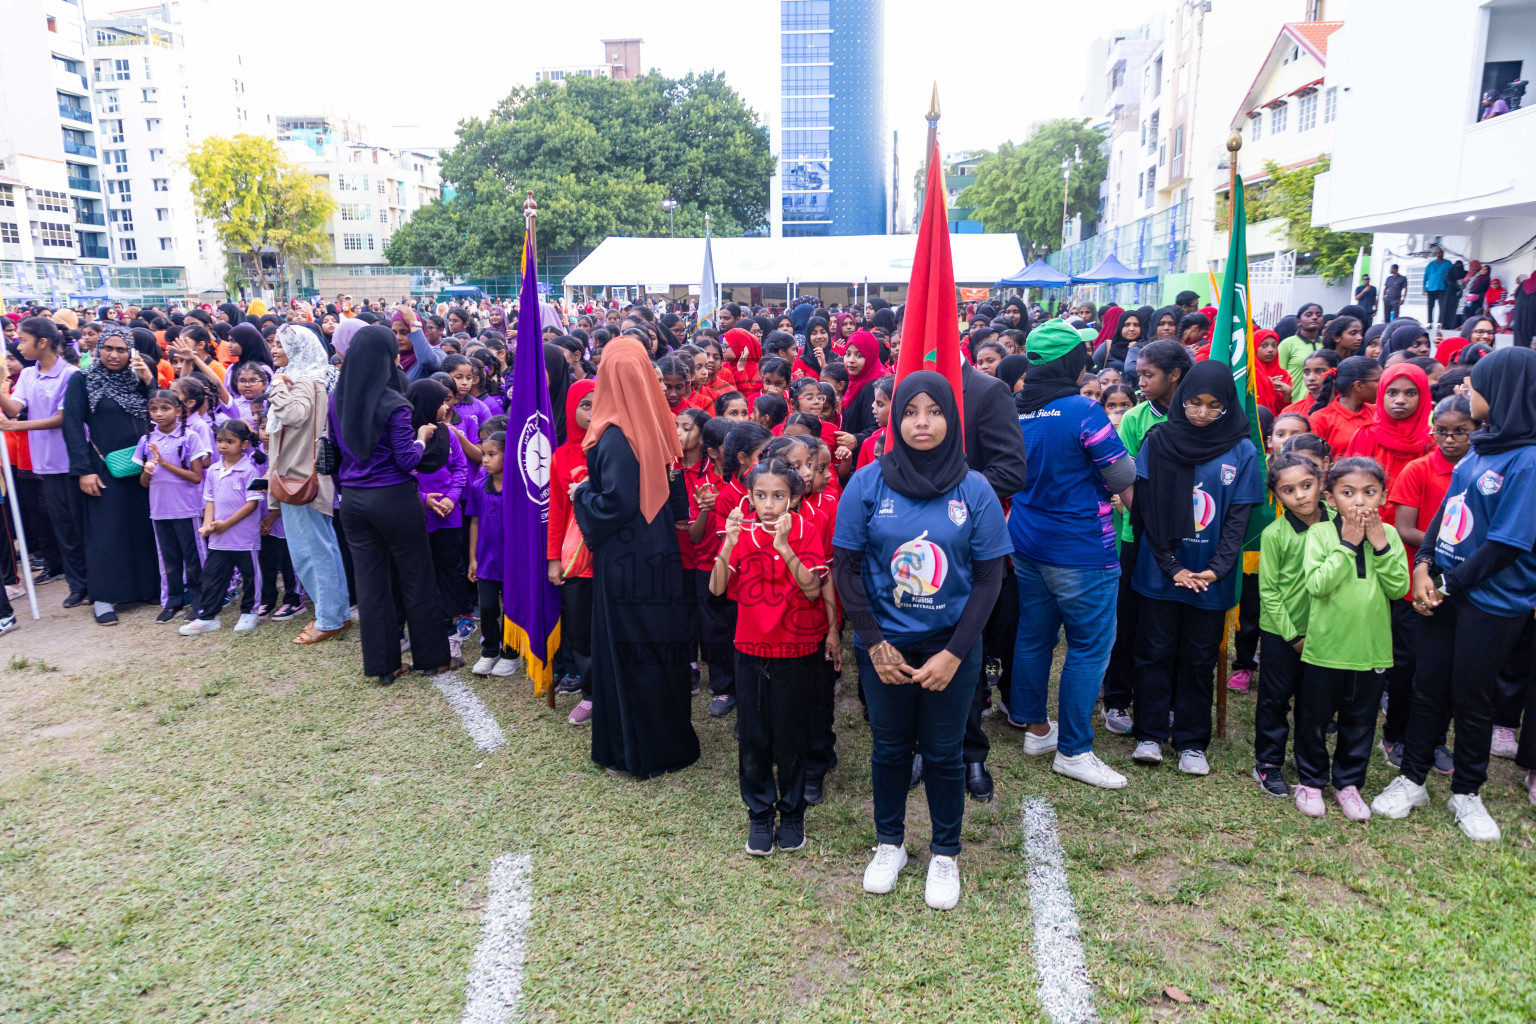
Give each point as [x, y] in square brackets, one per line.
[1052, 340]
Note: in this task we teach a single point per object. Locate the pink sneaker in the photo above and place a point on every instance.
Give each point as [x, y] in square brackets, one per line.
[1505, 743]
[1309, 801]
[1351, 804]
[581, 714]
[1240, 680]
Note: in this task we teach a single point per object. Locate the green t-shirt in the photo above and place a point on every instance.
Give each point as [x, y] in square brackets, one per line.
[1133, 431]
[1350, 624]
[1293, 356]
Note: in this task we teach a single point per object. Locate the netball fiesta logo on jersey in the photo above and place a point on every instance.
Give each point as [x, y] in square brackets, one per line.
[1456, 525]
[919, 568]
[1205, 509]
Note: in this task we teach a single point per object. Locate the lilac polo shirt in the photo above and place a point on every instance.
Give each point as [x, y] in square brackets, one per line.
[171, 497]
[43, 395]
[449, 482]
[488, 543]
[229, 487]
[471, 415]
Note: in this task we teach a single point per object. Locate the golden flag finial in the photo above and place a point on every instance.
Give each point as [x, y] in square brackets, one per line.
[933, 104]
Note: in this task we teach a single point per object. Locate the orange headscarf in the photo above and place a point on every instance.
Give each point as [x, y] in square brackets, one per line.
[629, 396]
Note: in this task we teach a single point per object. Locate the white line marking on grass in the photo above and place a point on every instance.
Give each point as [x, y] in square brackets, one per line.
[477, 718]
[495, 986]
[1066, 992]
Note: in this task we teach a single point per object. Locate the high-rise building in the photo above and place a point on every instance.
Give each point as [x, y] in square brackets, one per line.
[833, 169]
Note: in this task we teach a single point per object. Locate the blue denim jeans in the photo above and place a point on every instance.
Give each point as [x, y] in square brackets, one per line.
[1081, 601]
[316, 558]
[905, 717]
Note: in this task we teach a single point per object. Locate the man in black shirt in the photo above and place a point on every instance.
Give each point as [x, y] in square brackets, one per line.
[1365, 298]
[1392, 294]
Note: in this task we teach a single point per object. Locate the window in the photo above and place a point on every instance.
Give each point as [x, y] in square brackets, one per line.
[7, 195]
[1143, 134]
[1314, 10]
[1292, 55]
[151, 124]
[165, 245]
[156, 156]
[351, 182]
[127, 250]
[802, 15]
[807, 113]
[356, 211]
[1141, 185]
[122, 189]
[123, 219]
[112, 71]
[1277, 118]
[381, 187]
[108, 99]
[113, 130]
[161, 213]
[383, 215]
[1157, 77]
[357, 243]
[807, 144]
[808, 48]
[1257, 124]
[56, 235]
[1306, 112]
[118, 158]
[151, 95]
[9, 235]
[1177, 170]
[1330, 104]
[55, 202]
[148, 73]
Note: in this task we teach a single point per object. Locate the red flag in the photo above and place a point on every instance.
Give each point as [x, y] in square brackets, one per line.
[930, 331]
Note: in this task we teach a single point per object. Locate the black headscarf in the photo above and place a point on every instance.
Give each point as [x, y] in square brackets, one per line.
[253, 345]
[884, 318]
[558, 371]
[1403, 332]
[1506, 379]
[370, 389]
[1149, 329]
[1355, 311]
[1046, 382]
[1118, 345]
[808, 351]
[143, 339]
[427, 397]
[1285, 327]
[232, 311]
[1011, 368]
[1176, 446]
[924, 475]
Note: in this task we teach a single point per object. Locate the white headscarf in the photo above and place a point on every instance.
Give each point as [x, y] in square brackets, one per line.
[306, 359]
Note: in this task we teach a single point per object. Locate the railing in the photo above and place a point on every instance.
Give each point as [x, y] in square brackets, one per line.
[79, 148]
[94, 252]
[99, 219]
[84, 184]
[75, 113]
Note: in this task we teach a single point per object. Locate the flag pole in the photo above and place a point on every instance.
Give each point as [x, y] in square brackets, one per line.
[24, 569]
[530, 223]
[1234, 143]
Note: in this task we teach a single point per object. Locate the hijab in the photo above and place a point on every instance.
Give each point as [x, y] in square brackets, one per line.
[575, 435]
[1506, 378]
[1164, 496]
[1355, 311]
[557, 371]
[808, 351]
[371, 387]
[1119, 345]
[253, 345]
[1048, 381]
[427, 397]
[629, 397]
[306, 356]
[232, 311]
[1112, 317]
[1268, 370]
[143, 339]
[924, 475]
[350, 327]
[1406, 437]
[1011, 368]
[799, 315]
[1403, 333]
[1285, 327]
[123, 386]
[869, 347]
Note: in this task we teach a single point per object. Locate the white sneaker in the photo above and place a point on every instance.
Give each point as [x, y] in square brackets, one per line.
[943, 890]
[455, 645]
[200, 626]
[1037, 745]
[505, 667]
[8, 624]
[1505, 743]
[1118, 721]
[1086, 767]
[1193, 762]
[484, 665]
[880, 876]
[1148, 752]
[247, 623]
[1473, 817]
[1401, 796]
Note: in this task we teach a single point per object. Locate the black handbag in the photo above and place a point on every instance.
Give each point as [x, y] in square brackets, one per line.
[327, 457]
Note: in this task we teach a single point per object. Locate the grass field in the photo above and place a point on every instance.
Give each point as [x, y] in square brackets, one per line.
[235, 829]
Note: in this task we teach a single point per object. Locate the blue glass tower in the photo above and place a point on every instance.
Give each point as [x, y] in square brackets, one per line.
[832, 135]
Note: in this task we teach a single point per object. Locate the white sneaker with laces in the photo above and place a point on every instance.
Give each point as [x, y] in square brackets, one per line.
[1401, 796]
[484, 665]
[246, 623]
[1193, 762]
[1086, 767]
[880, 876]
[197, 626]
[1118, 721]
[1473, 817]
[1148, 752]
[1037, 745]
[943, 890]
[505, 667]
[8, 624]
[1505, 742]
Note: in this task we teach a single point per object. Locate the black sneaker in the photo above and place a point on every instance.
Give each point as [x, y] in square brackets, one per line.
[760, 838]
[1445, 763]
[287, 610]
[815, 790]
[721, 705]
[695, 682]
[46, 577]
[1393, 752]
[791, 835]
[107, 618]
[75, 599]
[568, 684]
[168, 613]
[1271, 781]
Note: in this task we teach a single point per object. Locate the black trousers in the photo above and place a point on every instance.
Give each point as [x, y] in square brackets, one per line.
[1247, 653]
[346, 558]
[34, 519]
[1510, 688]
[1176, 668]
[576, 628]
[450, 560]
[1461, 649]
[183, 565]
[386, 528]
[775, 705]
[217, 571]
[1525, 757]
[275, 561]
[717, 635]
[1003, 622]
[1430, 298]
[1119, 675]
[1279, 679]
[1354, 696]
[492, 631]
[61, 500]
[822, 755]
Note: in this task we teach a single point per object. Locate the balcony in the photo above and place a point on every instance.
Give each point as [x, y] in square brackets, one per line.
[79, 149]
[75, 113]
[93, 252]
[99, 219]
[84, 184]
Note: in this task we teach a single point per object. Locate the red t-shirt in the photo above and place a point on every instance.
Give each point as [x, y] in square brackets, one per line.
[1337, 425]
[729, 495]
[1421, 485]
[867, 449]
[701, 555]
[1394, 462]
[774, 618]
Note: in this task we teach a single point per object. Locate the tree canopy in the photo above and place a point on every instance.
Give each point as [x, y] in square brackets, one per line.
[1288, 194]
[1018, 188]
[600, 156]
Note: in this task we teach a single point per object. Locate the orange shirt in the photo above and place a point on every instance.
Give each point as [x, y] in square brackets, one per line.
[1337, 425]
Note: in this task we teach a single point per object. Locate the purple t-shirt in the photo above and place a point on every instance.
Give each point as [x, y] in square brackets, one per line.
[471, 415]
[229, 487]
[486, 507]
[449, 482]
[203, 424]
[171, 497]
[43, 395]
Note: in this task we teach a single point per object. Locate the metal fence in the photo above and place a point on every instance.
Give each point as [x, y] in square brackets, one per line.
[1155, 244]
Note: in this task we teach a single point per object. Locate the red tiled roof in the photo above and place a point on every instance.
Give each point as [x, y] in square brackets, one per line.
[1314, 34]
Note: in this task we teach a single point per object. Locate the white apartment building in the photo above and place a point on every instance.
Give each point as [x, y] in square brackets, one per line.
[1129, 84]
[51, 213]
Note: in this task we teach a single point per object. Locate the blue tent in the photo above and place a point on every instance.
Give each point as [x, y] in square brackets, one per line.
[464, 289]
[1038, 274]
[1112, 271]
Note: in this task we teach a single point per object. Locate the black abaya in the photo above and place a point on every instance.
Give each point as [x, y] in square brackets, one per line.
[641, 690]
[122, 564]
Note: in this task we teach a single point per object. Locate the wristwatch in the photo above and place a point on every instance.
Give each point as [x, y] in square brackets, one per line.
[1443, 588]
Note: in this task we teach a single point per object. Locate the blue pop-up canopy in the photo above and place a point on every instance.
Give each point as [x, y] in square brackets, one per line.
[1038, 274]
[1111, 271]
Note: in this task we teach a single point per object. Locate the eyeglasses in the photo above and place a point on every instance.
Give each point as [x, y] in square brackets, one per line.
[1204, 412]
[1458, 434]
[1482, 330]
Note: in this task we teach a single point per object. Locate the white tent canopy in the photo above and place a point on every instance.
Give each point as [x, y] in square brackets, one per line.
[845, 259]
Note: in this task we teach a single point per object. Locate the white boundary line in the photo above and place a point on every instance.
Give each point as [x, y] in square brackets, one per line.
[1066, 992]
[495, 986]
[477, 718]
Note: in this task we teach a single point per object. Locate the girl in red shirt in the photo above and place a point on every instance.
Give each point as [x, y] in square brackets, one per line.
[568, 465]
[742, 352]
[1314, 371]
[737, 446]
[817, 350]
[1400, 433]
[1343, 402]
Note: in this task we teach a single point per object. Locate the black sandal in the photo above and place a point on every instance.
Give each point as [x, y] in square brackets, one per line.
[389, 677]
[453, 663]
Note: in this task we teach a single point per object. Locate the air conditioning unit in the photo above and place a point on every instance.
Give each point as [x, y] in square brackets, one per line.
[1413, 243]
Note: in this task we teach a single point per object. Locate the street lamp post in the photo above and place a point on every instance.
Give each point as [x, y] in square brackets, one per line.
[1066, 187]
[669, 205]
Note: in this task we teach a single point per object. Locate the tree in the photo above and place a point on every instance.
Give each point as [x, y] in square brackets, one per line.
[1019, 188]
[1288, 195]
[258, 201]
[600, 156]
